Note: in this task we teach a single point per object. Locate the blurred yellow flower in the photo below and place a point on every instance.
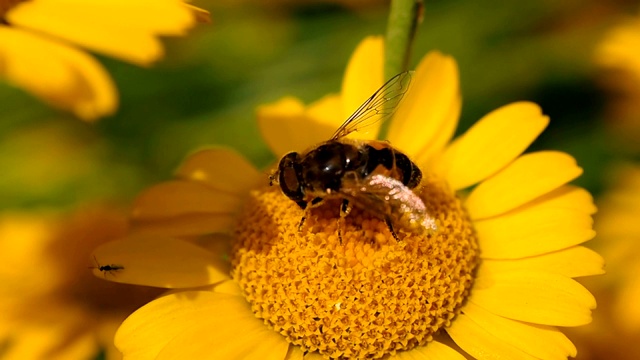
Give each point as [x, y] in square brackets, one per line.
[618, 54]
[38, 40]
[496, 277]
[51, 305]
[615, 331]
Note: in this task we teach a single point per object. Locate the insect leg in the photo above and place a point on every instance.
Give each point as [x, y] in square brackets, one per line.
[303, 206]
[345, 209]
[390, 226]
[302, 221]
[98, 266]
[315, 202]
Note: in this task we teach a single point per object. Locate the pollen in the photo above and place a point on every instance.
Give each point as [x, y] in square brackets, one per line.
[364, 296]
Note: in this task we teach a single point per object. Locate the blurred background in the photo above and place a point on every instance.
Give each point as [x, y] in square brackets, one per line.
[205, 91]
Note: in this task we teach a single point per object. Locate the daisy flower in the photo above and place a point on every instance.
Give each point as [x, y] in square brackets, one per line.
[494, 281]
[39, 42]
[51, 305]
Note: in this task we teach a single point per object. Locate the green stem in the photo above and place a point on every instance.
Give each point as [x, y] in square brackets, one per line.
[404, 18]
[401, 29]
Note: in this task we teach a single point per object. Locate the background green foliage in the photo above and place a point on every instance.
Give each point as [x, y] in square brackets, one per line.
[206, 90]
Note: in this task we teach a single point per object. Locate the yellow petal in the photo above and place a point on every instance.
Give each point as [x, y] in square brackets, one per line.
[532, 231]
[480, 343]
[201, 15]
[295, 353]
[327, 111]
[51, 341]
[25, 238]
[106, 329]
[210, 325]
[61, 76]
[185, 225]
[428, 114]
[363, 76]
[492, 143]
[429, 155]
[432, 351]
[619, 49]
[575, 261]
[567, 197]
[626, 313]
[551, 222]
[145, 332]
[286, 127]
[313, 356]
[527, 178]
[536, 297]
[229, 331]
[221, 169]
[52, 330]
[542, 342]
[178, 198]
[229, 287]
[159, 262]
[116, 28]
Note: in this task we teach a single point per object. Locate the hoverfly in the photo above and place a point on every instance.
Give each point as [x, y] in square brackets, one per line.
[369, 174]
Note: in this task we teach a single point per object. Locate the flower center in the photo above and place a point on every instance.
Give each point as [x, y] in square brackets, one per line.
[5, 6]
[365, 296]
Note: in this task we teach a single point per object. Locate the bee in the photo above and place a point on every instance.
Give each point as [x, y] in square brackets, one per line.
[369, 174]
[106, 268]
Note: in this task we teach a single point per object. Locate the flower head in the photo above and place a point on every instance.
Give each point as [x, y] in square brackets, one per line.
[39, 39]
[496, 276]
[51, 305]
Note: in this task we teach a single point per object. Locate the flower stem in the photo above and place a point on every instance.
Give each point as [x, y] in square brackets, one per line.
[404, 17]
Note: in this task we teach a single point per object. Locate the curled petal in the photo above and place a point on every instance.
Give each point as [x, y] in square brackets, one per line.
[67, 79]
[286, 126]
[117, 28]
[161, 262]
[221, 169]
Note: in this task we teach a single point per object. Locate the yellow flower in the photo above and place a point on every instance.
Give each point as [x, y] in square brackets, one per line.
[615, 330]
[621, 47]
[618, 55]
[51, 305]
[38, 40]
[496, 277]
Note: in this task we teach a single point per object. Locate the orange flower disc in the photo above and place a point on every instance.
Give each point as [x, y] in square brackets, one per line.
[365, 297]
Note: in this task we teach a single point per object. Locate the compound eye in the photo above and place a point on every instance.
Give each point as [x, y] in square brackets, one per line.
[288, 177]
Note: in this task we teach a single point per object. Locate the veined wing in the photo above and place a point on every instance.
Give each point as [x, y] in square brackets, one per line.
[380, 106]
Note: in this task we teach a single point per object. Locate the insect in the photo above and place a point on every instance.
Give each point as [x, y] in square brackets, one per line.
[106, 268]
[369, 174]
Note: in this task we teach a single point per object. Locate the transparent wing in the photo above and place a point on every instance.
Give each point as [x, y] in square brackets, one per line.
[365, 196]
[381, 105]
[390, 199]
[381, 193]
